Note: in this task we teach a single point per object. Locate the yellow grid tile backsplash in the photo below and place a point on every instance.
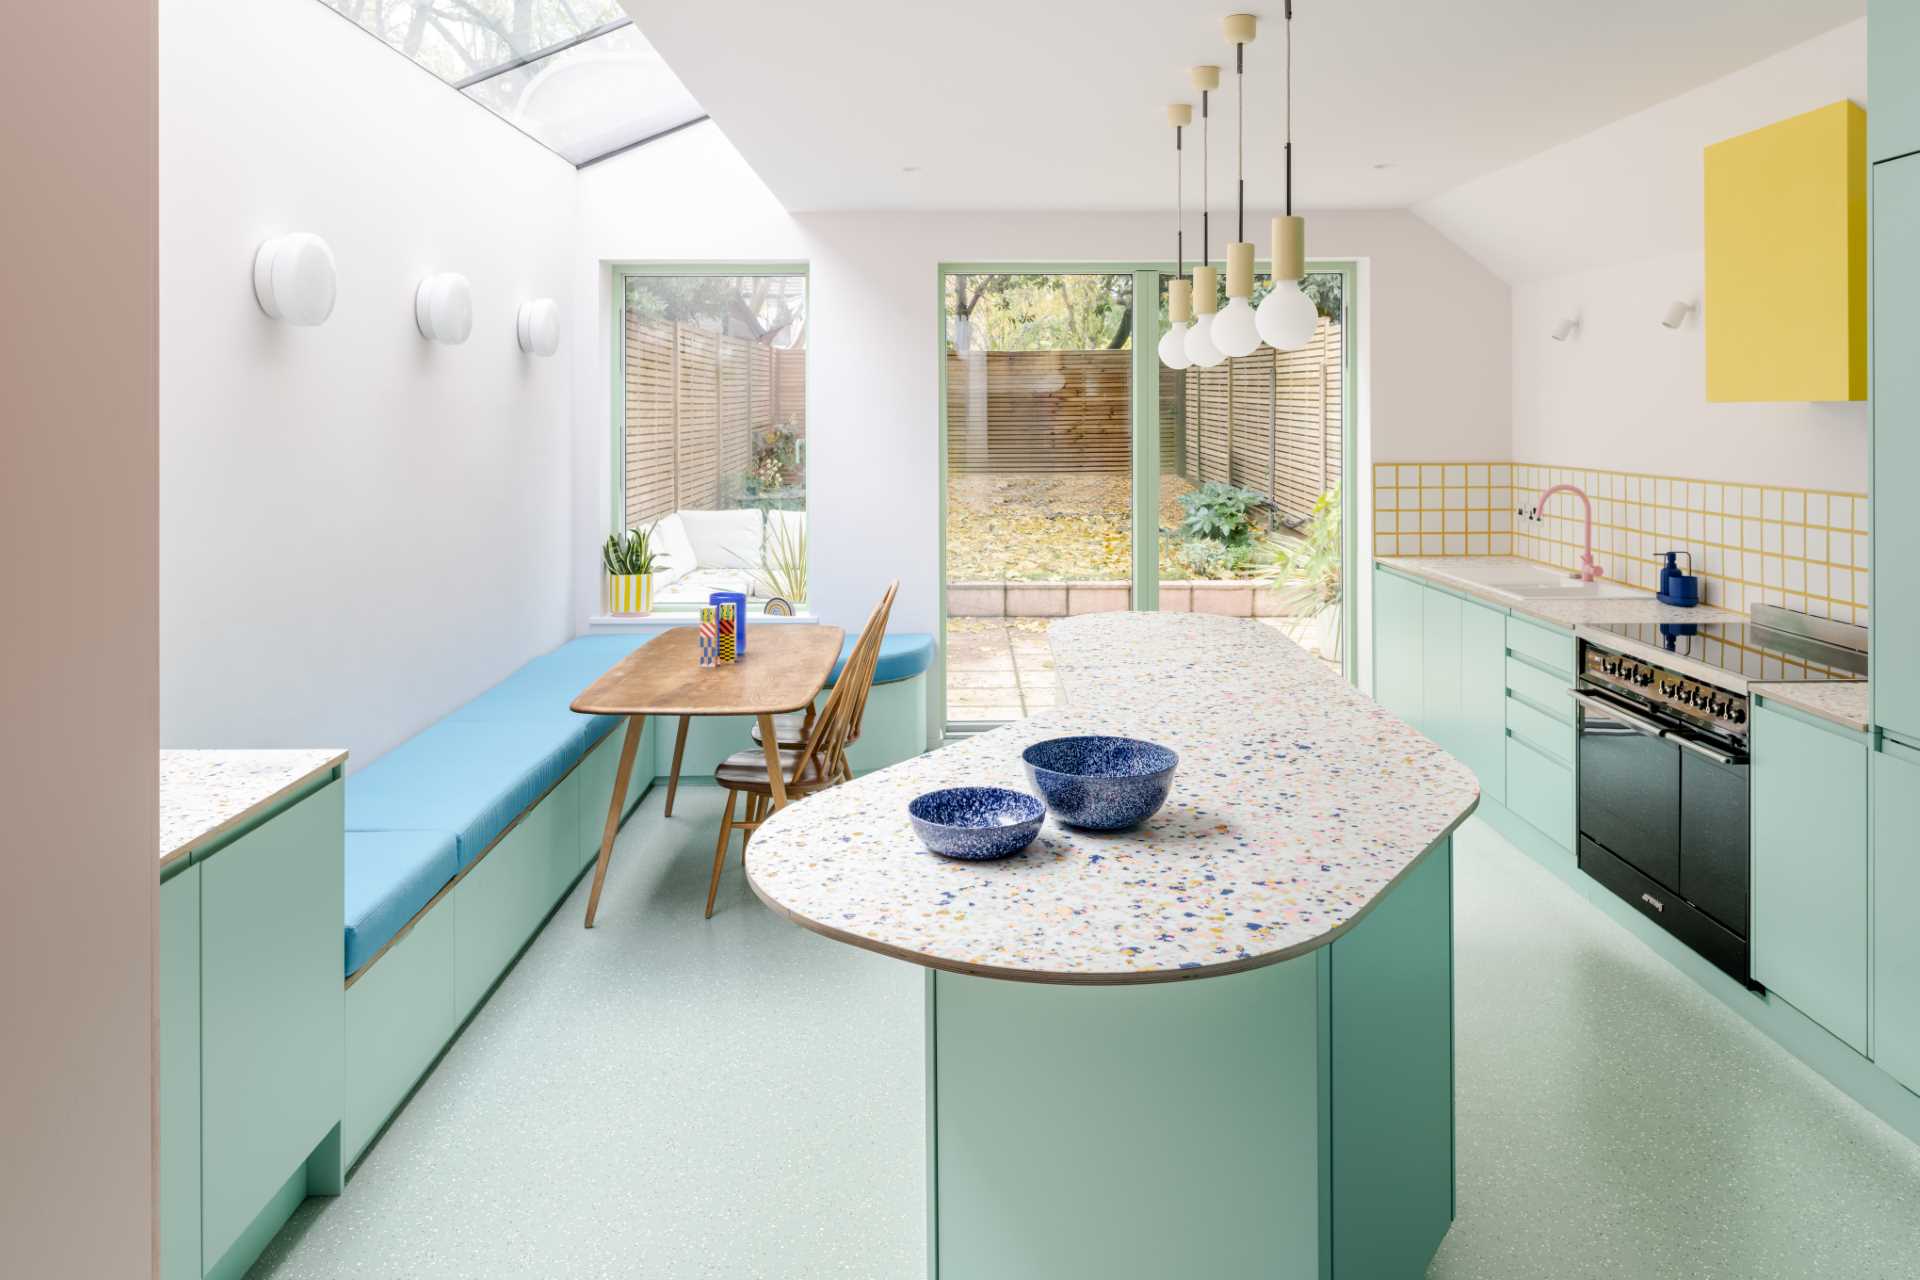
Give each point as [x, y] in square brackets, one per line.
[1803, 549]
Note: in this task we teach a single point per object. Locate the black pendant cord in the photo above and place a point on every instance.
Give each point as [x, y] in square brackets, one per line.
[1206, 155]
[1289, 108]
[1240, 136]
[1180, 207]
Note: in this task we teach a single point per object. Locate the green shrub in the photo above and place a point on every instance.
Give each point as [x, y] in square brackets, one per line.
[1220, 513]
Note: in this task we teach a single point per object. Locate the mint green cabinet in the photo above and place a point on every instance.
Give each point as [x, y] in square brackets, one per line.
[1896, 906]
[1893, 88]
[1809, 907]
[1440, 669]
[498, 904]
[271, 1012]
[1896, 436]
[1482, 744]
[1399, 629]
[180, 1075]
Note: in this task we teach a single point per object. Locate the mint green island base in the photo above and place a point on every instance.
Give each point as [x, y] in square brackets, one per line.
[1293, 1120]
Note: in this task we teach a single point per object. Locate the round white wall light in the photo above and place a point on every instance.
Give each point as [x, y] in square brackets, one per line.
[294, 278]
[539, 327]
[443, 308]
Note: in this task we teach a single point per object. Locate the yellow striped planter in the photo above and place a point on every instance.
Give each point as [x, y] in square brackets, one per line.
[629, 593]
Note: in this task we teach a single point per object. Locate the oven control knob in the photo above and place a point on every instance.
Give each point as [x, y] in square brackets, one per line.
[1609, 666]
[1698, 697]
[1736, 713]
[1668, 688]
[1643, 678]
[1716, 706]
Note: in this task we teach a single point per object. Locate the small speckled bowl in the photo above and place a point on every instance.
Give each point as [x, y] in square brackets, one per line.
[976, 823]
[1101, 783]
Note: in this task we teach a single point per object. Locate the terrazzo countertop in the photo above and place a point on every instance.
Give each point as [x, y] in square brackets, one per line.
[204, 793]
[1845, 702]
[1298, 802]
[1641, 607]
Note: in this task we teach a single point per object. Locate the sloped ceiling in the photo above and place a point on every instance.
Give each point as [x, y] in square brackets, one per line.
[1058, 104]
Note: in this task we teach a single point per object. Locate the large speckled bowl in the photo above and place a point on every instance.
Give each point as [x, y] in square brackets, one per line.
[1103, 784]
[976, 823]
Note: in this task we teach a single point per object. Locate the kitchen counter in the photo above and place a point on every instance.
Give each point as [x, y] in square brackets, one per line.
[1297, 803]
[1846, 703]
[204, 794]
[1450, 572]
[1299, 878]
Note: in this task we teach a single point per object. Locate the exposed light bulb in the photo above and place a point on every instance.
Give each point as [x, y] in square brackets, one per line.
[1200, 348]
[1287, 317]
[1234, 330]
[1173, 346]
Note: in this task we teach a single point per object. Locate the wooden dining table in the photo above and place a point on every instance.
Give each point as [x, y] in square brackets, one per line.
[783, 670]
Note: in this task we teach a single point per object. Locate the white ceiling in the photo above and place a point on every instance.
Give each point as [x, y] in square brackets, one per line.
[1058, 104]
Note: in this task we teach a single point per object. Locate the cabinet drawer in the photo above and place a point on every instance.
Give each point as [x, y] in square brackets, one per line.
[1546, 645]
[1541, 731]
[1540, 790]
[1544, 689]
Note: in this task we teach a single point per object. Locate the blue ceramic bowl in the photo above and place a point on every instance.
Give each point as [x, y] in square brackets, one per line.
[1103, 784]
[976, 823]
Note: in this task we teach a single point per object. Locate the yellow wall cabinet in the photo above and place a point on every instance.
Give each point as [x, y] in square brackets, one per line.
[1786, 295]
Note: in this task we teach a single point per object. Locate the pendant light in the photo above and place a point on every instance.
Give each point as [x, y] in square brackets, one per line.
[1287, 317]
[1206, 280]
[1173, 344]
[1234, 330]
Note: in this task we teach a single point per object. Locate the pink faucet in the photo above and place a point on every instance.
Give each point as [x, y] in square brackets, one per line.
[1589, 571]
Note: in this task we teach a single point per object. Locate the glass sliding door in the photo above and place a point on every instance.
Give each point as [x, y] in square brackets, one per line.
[1038, 369]
[1251, 459]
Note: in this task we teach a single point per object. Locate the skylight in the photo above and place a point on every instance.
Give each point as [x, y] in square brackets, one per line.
[576, 75]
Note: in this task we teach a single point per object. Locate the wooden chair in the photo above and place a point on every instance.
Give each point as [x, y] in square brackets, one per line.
[792, 729]
[815, 765]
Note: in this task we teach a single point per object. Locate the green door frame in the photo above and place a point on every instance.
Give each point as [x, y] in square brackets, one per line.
[1146, 430]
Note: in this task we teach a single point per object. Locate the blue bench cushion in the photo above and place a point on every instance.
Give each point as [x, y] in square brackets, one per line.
[470, 778]
[902, 656]
[391, 875]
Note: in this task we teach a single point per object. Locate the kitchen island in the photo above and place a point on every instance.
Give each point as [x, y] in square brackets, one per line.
[1220, 1044]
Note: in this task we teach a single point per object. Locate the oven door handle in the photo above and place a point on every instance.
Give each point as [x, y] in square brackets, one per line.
[1702, 749]
[1606, 708]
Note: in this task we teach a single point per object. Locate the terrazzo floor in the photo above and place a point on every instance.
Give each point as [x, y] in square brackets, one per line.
[672, 1097]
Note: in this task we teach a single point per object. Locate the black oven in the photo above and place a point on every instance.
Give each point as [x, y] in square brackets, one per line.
[1663, 804]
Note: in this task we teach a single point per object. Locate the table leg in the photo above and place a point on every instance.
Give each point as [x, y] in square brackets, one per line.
[627, 748]
[770, 742]
[679, 750]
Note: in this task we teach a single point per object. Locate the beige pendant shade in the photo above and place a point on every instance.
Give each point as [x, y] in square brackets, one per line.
[1240, 270]
[1179, 114]
[1179, 301]
[1289, 248]
[1206, 290]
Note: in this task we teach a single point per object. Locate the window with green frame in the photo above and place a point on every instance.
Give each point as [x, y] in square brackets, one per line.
[710, 429]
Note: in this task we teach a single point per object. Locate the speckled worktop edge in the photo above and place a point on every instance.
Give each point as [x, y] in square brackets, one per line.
[205, 793]
[1846, 703]
[1298, 803]
[1567, 614]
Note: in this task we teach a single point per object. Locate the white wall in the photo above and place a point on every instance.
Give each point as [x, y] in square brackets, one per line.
[79, 672]
[1434, 334]
[359, 529]
[1609, 228]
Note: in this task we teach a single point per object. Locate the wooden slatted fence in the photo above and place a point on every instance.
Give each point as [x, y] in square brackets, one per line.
[1270, 421]
[695, 400]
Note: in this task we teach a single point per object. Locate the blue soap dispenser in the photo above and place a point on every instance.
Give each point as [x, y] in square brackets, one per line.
[1677, 588]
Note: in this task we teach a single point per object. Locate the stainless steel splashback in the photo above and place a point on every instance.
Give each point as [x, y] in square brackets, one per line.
[1841, 635]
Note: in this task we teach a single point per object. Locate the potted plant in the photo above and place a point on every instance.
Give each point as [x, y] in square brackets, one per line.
[629, 559]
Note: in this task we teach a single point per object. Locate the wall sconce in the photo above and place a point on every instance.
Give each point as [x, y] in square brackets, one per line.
[443, 308]
[539, 327]
[1565, 329]
[1677, 313]
[294, 278]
